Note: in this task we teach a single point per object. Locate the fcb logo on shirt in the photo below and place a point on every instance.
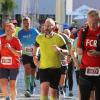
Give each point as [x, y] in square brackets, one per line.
[92, 43]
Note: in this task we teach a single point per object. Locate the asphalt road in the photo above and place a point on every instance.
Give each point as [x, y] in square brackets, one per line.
[36, 94]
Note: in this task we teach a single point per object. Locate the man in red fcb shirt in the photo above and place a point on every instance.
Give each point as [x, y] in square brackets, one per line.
[10, 52]
[90, 67]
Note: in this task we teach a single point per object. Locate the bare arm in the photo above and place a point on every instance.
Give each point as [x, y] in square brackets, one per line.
[74, 58]
[79, 51]
[63, 50]
[14, 51]
[35, 57]
[93, 53]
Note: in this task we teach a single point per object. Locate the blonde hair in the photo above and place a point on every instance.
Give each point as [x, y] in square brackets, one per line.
[11, 25]
[97, 12]
[67, 32]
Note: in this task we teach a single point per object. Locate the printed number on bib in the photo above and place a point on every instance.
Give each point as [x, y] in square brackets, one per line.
[29, 49]
[92, 71]
[6, 60]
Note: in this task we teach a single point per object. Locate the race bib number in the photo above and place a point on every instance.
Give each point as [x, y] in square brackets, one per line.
[92, 71]
[63, 62]
[29, 49]
[6, 60]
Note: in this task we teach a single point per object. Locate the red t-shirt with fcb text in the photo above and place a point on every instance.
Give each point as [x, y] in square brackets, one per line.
[7, 58]
[90, 43]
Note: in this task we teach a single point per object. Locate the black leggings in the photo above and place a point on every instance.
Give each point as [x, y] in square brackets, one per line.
[70, 75]
[86, 85]
[77, 76]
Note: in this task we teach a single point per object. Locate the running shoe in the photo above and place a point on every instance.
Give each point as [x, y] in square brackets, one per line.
[27, 93]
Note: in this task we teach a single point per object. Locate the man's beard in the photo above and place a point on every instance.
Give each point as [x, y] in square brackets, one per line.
[47, 31]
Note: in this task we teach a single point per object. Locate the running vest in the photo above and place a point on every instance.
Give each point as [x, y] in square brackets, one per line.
[84, 34]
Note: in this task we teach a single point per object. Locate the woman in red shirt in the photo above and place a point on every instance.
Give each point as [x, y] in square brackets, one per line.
[90, 67]
[10, 53]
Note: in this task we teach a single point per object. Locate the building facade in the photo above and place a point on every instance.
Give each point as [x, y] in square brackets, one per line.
[49, 6]
[41, 9]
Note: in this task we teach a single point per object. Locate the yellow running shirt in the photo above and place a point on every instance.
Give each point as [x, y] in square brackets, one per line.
[49, 56]
[17, 30]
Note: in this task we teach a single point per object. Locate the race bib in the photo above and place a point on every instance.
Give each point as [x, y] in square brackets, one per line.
[29, 49]
[6, 60]
[92, 71]
[63, 62]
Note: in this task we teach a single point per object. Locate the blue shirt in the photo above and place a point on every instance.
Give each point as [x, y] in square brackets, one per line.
[2, 32]
[28, 39]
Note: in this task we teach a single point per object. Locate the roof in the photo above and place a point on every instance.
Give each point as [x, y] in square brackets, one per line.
[82, 10]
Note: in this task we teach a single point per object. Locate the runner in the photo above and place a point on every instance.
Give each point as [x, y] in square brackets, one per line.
[63, 58]
[51, 44]
[10, 52]
[70, 63]
[14, 21]
[77, 61]
[2, 30]
[2, 33]
[27, 37]
[88, 48]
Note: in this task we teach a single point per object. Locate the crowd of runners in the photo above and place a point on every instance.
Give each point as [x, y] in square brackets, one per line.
[51, 55]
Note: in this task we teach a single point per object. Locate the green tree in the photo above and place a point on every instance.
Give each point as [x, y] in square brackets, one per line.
[1, 1]
[7, 6]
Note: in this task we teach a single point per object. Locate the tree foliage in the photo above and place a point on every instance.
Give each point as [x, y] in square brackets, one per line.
[7, 6]
[1, 1]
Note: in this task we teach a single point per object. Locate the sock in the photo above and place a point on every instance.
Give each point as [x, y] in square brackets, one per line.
[7, 98]
[53, 98]
[27, 82]
[43, 97]
[32, 80]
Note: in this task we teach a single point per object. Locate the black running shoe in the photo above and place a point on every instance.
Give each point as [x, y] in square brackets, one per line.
[27, 93]
[7, 98]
